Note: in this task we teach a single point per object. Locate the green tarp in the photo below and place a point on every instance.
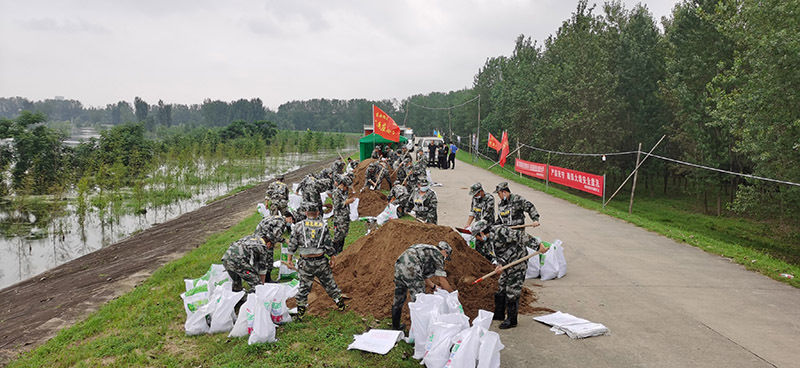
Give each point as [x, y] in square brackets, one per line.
[367, 144]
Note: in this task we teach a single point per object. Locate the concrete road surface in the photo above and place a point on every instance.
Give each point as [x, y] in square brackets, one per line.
[666, 304]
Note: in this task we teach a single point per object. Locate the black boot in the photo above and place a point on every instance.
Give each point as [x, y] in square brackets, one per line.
[499, 306]
[301, 311]
[340, 305]
[513, 308]
[397, 313]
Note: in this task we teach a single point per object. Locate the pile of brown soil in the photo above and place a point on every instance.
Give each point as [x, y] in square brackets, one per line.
[365, 271]
[360, 173]
[371, 202]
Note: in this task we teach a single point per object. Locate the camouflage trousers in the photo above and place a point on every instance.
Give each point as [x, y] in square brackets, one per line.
[511, 281]
[278, 206]
[239, 272]
[340, 230]
[318, 267]
[429, 217]
[406, 283]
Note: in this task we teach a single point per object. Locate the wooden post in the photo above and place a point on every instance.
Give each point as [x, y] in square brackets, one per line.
[547, 174]
[478, 136]
[519, 155]
[635, 175]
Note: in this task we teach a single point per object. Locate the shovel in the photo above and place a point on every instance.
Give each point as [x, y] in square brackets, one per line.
[467, 231]
[512, 264]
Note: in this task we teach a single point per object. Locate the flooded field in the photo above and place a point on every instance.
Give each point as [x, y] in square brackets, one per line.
[41, 232]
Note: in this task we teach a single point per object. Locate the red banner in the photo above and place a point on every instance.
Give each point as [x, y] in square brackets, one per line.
[384, 125]
[504, 152]
[494, 143]
[589, 183]
[533, 169]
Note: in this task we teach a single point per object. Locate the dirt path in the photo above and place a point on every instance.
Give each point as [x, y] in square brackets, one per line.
[667, 304]
[34, 310]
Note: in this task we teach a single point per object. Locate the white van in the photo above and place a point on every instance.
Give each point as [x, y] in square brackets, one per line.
[422, 143]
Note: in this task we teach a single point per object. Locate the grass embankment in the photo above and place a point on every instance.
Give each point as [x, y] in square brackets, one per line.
[144, 328]
[752, 244]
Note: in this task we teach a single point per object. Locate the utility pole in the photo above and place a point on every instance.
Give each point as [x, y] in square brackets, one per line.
[635, 174]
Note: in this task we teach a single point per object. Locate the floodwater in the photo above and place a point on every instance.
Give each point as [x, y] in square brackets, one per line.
[53, 235]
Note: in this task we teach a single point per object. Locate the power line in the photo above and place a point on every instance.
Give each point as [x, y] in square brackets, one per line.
[444, 108]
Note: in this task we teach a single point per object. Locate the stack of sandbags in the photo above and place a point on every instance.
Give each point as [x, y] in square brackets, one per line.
[442, 335]
[209, 302]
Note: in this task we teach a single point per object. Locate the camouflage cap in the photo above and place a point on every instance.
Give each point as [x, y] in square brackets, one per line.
[309, 207]
[475, 188]
[445, 247]
[344, 179]
[480, 226]
[502, 186]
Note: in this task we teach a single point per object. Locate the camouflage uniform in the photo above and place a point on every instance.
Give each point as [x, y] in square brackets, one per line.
[311, 188]
[278, 197]
[417, 263]
[376, 173]
[402, 172]
[311, 237]
[482, 208]
[507, 245]
[353, 164]
[337, 167]
[512, 211]
[341, 218]
[246, 259]
[376, 153]
[271, 229]
[400, 195]
[425, 206]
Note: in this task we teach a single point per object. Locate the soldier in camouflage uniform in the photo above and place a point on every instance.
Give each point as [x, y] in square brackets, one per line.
[503, 246]
[311, 240]
[351, 164]
[425, 204]
[277, 196]
[419, 266]
[482, 207]
[271, 230]
[341, 211]
[247, 259]
[311, 188]
[399, 196]
[377, 172]
[337, 167]
[376, 152]
[512, 207]
[403, 170]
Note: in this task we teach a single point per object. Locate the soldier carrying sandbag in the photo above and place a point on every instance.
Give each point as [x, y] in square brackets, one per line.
[418, 266]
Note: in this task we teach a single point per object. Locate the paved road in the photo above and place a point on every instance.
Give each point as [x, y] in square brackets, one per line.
[666, 304]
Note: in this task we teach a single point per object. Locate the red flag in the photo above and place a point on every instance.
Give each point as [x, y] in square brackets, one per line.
[493, 143]
[504, 151]
[384, 125]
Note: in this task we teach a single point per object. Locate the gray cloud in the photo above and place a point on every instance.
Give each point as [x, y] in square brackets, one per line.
[64, 25]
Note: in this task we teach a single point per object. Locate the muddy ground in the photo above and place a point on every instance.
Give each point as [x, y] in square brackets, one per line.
[34, 310]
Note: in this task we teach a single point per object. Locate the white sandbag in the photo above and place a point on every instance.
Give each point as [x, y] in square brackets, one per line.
[464, 353]
[262, 209]
[222, 315]
[450, 300]
[293, 287]
[274, 296]
[295, 186]
[294, 201]
[218, 277]
[195, 304]
[263, 328]
[245, 319]
[562, 261]
[533, 265]
[437, 349]
[390, 212]
[549, 263]
[489, 351]
[354, 209]
[422, 312]
[285, 271]
[484, 319]
[459, 319]
[376, 341]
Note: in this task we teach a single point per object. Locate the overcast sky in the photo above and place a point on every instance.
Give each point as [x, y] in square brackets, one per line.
[183, 51]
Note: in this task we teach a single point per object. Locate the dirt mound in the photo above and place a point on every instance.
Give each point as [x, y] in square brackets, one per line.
[365, 271]
[371, 203]
[360, 173]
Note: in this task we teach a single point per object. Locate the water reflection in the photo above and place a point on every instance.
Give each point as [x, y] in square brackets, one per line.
[39, 233]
